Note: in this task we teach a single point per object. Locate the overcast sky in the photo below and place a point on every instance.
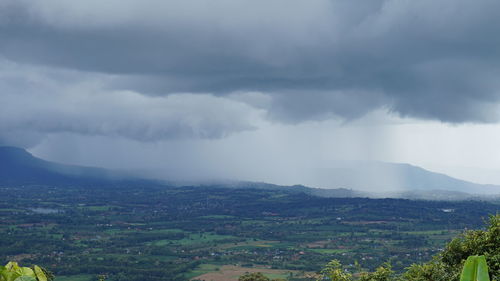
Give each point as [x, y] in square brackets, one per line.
[255, 90]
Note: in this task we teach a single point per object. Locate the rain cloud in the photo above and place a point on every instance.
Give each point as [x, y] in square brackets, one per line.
[153, 70]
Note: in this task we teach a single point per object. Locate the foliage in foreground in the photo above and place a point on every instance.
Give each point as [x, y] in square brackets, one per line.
[448, 265]
[478, 247]
[13, 272]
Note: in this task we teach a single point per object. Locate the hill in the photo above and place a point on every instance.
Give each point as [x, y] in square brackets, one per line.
[19, 167]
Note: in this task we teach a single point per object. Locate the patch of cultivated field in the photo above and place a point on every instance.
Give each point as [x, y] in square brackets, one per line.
[194, 239]
[250, 244]
[317, 244]
[231, 273]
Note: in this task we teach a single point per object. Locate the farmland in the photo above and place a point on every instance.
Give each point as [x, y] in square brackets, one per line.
[182, 233]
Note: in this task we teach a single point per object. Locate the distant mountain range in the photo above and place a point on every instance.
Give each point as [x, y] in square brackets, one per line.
[19, 167]
[390, 178]
[375, 179]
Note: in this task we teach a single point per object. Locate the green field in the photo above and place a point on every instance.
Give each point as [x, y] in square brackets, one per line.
[330, 251]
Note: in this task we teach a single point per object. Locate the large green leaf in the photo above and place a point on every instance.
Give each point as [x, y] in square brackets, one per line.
[9, 275]
[12, 266]
[475, 269]
[26, 271]
[40, 275]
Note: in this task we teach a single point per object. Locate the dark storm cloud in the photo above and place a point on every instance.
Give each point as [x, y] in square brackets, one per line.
[37, 101]
[427, 59]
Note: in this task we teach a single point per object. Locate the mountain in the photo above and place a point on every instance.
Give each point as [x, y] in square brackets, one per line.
[373, 179]
[395, 178]
[19, 167]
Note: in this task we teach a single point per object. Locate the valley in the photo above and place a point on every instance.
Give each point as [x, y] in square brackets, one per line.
[179, 233]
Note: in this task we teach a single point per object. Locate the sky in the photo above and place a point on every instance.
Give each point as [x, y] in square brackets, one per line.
[269, 90]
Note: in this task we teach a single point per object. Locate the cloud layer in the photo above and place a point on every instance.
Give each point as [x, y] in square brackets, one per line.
[34, 103]
[168, 69]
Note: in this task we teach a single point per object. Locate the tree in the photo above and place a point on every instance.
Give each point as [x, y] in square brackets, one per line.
[333, 271]
[476, 242]
[383, 273]
[481, 249]
[448, 265]
[433, 270]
